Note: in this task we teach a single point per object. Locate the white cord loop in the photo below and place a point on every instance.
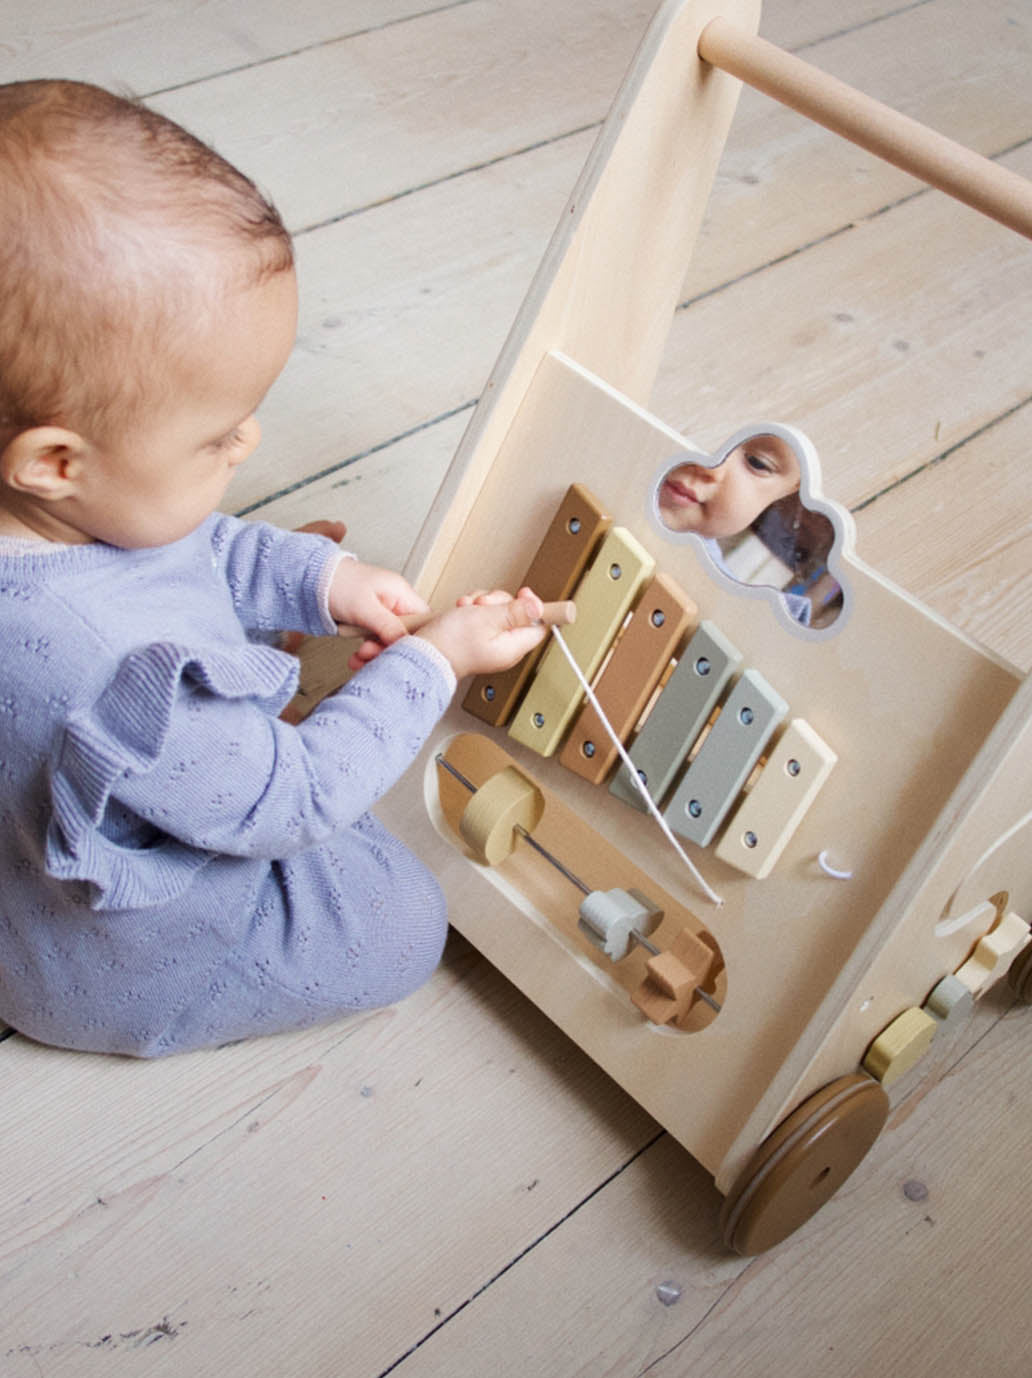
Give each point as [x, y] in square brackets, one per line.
[829, 870]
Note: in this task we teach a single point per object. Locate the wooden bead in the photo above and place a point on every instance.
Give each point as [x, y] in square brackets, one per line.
[671, 976]
[900, 1046]
[672, 979]
[950, 1002]
[993, 954]
[609, 917]
[504, 802]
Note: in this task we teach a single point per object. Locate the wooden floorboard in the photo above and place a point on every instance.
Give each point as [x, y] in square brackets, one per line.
[155, 47]
[868, 1285]
[451, 1188]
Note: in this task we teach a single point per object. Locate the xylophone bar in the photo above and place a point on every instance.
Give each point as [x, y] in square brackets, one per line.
[679, 715]
[560, 560]
[644, 650]
[732, 747]
[603, 599]
[772, 810]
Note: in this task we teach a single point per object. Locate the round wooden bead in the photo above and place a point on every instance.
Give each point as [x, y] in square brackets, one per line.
[900, 1046]
[504, 802]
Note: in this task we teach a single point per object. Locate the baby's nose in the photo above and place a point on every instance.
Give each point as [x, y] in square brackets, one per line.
[702, 474]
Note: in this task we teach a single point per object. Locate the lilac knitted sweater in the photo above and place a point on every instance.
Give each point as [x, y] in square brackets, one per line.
[178, 867]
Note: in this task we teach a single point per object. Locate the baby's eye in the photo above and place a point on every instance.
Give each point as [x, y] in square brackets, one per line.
[230, 441]
[759, 463]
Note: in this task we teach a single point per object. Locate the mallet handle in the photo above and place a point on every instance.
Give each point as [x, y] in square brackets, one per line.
[559, 614]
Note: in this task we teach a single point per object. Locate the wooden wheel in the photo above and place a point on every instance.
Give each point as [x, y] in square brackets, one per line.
[1019, 977]
[803, 1163]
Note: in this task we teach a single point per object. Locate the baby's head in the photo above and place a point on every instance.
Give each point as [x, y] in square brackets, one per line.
[147, 302]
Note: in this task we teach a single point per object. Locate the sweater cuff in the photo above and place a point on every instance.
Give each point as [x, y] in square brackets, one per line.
[329, 569]
[436, 657]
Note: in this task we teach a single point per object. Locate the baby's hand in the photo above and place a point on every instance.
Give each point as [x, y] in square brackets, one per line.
[373, 599]
[487, 631]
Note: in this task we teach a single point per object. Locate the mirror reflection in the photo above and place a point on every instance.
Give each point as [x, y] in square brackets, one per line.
[746, 508]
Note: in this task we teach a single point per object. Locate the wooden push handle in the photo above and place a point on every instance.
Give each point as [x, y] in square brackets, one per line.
[559, 614]
[978, 182]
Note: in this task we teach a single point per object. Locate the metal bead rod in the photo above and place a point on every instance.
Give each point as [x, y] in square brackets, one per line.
[553, 860]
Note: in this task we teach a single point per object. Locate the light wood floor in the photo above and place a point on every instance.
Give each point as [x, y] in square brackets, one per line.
[450, 1188]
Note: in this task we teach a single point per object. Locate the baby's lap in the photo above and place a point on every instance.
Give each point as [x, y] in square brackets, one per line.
[329, 921]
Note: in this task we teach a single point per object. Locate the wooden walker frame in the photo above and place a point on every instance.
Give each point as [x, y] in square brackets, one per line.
[928, 806]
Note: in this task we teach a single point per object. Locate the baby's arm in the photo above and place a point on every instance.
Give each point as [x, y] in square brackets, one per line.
[182, 741]
[278, 580]
[189, 744]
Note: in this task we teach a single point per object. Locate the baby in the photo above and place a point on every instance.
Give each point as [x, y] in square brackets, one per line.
[178, 866]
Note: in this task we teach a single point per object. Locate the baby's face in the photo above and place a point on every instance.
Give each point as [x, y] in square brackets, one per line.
[158, 482]
[722, 501]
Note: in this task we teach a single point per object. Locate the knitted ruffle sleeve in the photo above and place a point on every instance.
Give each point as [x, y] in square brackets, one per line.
[181, 758]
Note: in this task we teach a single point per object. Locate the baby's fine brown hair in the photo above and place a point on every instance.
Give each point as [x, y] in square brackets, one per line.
[119, 231]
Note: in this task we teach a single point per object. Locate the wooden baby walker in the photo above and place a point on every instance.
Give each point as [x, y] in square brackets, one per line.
[825, 873]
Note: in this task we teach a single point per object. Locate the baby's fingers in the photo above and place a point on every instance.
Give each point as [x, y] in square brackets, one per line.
[483, 598]
[363, 654]
[525, 610]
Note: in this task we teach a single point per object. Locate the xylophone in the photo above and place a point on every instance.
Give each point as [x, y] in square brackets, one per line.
[850, 798]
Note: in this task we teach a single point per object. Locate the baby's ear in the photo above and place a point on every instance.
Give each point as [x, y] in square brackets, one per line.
[43, 462]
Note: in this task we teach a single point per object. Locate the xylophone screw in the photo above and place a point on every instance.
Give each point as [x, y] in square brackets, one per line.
[589, 749]
[702, 666]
